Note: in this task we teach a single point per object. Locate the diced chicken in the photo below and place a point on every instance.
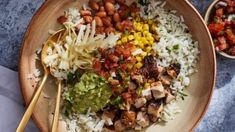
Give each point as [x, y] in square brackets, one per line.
[132, 85]
[146, 93]
[128, 118]
[155, 109]
[169, 97]
[119, 126]
[158, 90]
[142, 119]
[165, 80]
[160, 69]
[108, 117]
[137, 78]
[172, 73]
[153, 118]
[140, 102]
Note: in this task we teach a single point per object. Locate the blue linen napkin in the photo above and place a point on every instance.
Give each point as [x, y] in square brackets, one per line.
[11, 102]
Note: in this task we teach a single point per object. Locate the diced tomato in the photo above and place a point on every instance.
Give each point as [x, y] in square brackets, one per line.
[107, 64]
[126, 54]
[220, 12]
[104, 74]
[113, 58]
[230, 36]
[223, 46]
[119, 50]
[222, 40]
[230, 9]
[114, 65]
[62, 19]
[215, 28]
[97, 65]
[232, 51]
[126, 95]
[123, 67]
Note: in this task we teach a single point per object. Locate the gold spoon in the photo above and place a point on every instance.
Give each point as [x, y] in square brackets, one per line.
[54, 38]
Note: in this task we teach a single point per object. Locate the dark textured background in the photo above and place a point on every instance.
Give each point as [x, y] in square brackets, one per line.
[16, 14]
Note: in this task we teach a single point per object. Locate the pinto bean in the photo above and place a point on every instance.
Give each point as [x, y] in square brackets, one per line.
[85, 13]
[98, 21]
[116, 17]
[101, 14]
[62, 19]
[109, 7]
[107, 21]
[88, 19]
[111, 1]
[109, 30]
[94, 5]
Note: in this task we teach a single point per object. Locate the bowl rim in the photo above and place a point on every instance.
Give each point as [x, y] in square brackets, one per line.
[43, 6]
[206, 18]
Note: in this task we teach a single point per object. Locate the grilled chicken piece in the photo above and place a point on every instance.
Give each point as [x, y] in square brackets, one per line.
[169, 97]
[165, 80]
[128, 118]
[155, 109]
[140, 102]
[137, 78]
[157, 90]
[142, 119]
[150, 69]
[146, 93]
[132, 85]
[108, 117]
[119, 126]
[172, 73]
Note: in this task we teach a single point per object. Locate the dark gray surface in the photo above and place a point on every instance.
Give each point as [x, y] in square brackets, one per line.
[16, 14]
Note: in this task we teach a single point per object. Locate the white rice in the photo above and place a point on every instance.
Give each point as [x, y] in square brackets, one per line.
[176, 45]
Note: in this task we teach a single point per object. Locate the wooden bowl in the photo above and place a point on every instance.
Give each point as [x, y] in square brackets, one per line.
[208, 16]
[200, 89]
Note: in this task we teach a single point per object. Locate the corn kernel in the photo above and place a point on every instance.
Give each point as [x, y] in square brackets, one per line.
[154, 27]
[138, 65]
[146, 27]
[141, 45]
[151, 42]
[146, 85]
[148, 49]
[145, 33]
[135, 42]
[144, 40]
[138, 58]
[143, 54]
[130, 37]
[124, 39]
[150, 38]
[119, 42]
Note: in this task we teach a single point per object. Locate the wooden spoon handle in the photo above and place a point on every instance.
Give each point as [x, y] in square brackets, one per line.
[57, 109]
[31, 106]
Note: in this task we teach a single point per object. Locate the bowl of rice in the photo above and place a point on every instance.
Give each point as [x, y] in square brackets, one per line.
[166, 48]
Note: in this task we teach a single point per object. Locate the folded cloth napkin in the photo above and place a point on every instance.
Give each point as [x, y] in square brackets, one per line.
[11, 102]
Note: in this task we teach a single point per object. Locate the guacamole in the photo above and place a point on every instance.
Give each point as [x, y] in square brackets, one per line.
[92, 91]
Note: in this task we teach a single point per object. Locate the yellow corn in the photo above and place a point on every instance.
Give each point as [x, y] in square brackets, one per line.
[138, 65]
[138, 58]
[143, 54]
[151, 42]
[130, 37]
[141, 45]
[144, 40]
[146, 85]
[145, 33]
[124, 39]
[119, 42]
[154, 27]
[148, 49]
[146, 27]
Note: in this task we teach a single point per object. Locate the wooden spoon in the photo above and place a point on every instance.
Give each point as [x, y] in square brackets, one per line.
[54, 38]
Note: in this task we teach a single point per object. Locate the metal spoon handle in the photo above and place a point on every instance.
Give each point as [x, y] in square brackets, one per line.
[31, 106]
[57, 109]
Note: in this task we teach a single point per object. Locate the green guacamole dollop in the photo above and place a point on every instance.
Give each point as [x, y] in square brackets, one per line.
[92, 91]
